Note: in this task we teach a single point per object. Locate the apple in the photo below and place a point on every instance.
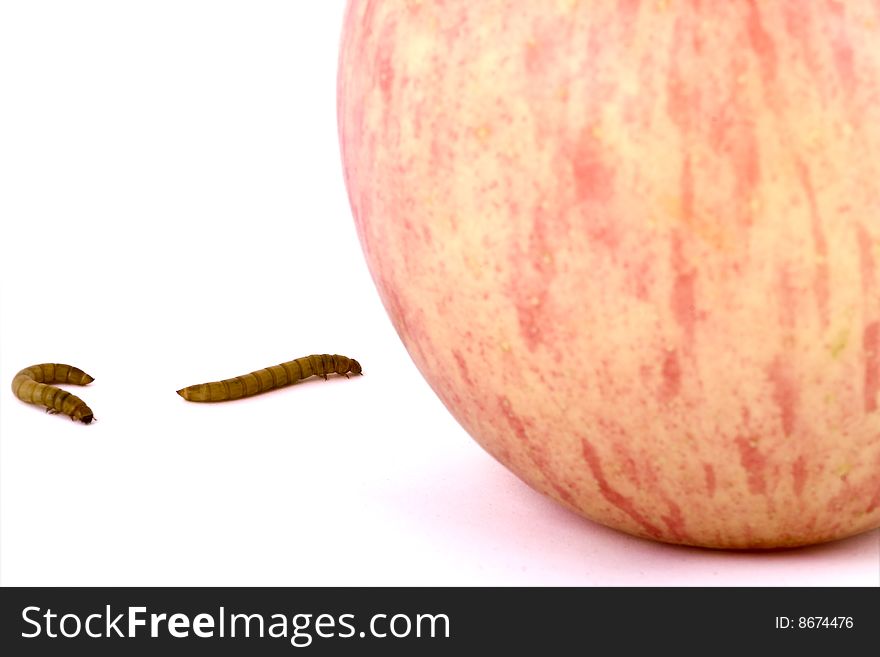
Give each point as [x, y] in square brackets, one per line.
[634, 247]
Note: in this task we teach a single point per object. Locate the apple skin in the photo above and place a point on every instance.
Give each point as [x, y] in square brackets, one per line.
[634, 247]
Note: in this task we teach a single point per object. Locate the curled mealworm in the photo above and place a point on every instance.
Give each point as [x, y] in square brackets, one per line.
[270, 378]
[32, 385]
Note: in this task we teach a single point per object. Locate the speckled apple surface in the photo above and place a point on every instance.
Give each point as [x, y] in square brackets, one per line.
[634, 248]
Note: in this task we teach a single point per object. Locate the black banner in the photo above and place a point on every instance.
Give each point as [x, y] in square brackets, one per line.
[429, 621]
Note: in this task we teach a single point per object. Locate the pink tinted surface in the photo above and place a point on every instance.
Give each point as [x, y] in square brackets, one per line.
[504, 533]
[457, 509]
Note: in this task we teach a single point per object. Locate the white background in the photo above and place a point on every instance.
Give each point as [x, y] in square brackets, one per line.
[173, 212]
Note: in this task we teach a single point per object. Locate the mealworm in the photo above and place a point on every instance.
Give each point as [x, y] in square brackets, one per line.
[270, 378]
[31, 385]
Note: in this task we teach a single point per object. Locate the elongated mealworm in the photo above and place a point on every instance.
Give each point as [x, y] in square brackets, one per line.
[32, 385]
[270, 378]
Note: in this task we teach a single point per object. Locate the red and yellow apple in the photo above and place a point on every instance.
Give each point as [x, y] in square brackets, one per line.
[634, 246]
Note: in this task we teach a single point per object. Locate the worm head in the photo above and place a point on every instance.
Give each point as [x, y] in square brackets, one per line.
[83, 414]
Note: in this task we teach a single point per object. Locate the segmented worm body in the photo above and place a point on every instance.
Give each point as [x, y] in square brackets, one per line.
[33, 385]
[270, 378]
